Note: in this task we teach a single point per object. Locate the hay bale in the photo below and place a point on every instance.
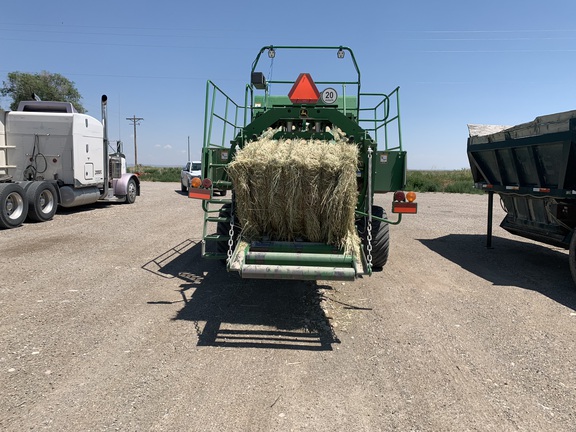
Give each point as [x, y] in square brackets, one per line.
[292, 189]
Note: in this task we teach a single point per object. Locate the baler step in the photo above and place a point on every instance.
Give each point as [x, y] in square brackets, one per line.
[217, 219]
[217, 237]
[220, 201]
[214, 255]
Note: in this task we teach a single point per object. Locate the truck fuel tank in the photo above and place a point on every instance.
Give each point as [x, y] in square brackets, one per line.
[70, 197]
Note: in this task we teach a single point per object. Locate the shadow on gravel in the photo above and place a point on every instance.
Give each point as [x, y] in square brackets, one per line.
[511, 263]
[244, 313]
[86, 208]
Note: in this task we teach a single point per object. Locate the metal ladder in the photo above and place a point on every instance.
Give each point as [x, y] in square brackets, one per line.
[209, 235]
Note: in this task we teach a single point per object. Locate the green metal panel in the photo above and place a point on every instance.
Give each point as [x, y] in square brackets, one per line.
[215, 160]
[299, 247]
[269, 101]
[389, 171]
[302, 259]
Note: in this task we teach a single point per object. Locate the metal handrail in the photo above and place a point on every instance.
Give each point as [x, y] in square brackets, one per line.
[339, 49]
[229, 117]
[387, 118]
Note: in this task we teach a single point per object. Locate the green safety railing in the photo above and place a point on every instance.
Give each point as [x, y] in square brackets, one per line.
[228, 115]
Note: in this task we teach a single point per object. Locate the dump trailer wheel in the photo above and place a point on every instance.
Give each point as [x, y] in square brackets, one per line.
[131, 191]
[572, 256]
[223, 228]
[42, 201]
[380, 238]
[13, 205]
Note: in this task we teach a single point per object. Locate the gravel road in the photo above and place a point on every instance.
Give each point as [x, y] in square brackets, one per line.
[110, 320]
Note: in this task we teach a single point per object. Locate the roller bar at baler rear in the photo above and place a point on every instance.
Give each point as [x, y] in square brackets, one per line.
[295, 260]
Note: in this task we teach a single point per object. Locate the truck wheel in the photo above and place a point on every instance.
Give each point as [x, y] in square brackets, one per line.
[572, 256]
[223, 228]
[42, 201]
[183, 187]
[380, 238]
[13, 205]
[132, 191]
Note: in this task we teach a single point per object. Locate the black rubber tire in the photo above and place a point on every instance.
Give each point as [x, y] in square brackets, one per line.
[183, 187]
[42, 201]
[223, 228]
[13, 205]
[380, 238]
[572, 256]
[131, 191]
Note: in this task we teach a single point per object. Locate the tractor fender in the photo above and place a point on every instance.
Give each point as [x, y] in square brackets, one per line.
[121, 184]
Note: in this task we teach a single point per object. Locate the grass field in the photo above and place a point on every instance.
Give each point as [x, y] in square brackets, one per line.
[452, 181]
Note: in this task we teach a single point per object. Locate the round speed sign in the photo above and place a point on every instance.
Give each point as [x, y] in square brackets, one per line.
[329, 96]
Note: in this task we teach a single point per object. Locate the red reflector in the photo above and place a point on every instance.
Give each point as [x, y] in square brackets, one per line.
[399, 196]
[404, 207]
[304, 90]
[199, 193]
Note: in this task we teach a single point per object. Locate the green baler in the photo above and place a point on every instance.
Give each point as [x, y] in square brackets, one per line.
[307, 113]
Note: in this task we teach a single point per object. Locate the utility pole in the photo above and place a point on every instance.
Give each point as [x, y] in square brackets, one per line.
[135, 121]
[188, 148]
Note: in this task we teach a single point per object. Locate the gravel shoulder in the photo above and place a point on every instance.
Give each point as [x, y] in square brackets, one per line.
[110, 320]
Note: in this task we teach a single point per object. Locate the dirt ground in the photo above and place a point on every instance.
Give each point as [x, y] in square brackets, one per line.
[110, 320]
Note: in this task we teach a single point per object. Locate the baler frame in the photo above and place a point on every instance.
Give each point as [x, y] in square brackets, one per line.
[229, 125]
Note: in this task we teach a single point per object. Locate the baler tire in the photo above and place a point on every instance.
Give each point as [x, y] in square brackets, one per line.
[42, 201]
[572, 256]
[380, 239]
[131, 191]
[13, 205]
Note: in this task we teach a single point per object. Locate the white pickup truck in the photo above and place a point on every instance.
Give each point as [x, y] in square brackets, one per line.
[191, 170]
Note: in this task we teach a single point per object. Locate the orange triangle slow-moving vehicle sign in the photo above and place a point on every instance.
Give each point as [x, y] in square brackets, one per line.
[304, 91]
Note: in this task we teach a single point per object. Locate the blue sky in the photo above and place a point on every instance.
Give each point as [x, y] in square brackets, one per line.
[456, 62]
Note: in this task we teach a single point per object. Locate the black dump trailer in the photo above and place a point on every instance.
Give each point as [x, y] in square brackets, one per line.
[532, 166]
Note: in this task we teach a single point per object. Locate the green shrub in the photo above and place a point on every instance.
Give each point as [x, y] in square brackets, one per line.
[157, 174]
[456, 181]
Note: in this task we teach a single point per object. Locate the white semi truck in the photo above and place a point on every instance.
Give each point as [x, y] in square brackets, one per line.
[51, 155]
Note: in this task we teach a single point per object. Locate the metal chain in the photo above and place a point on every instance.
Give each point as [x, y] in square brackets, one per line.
[369, 234]
[231, 238]
[369, 241]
